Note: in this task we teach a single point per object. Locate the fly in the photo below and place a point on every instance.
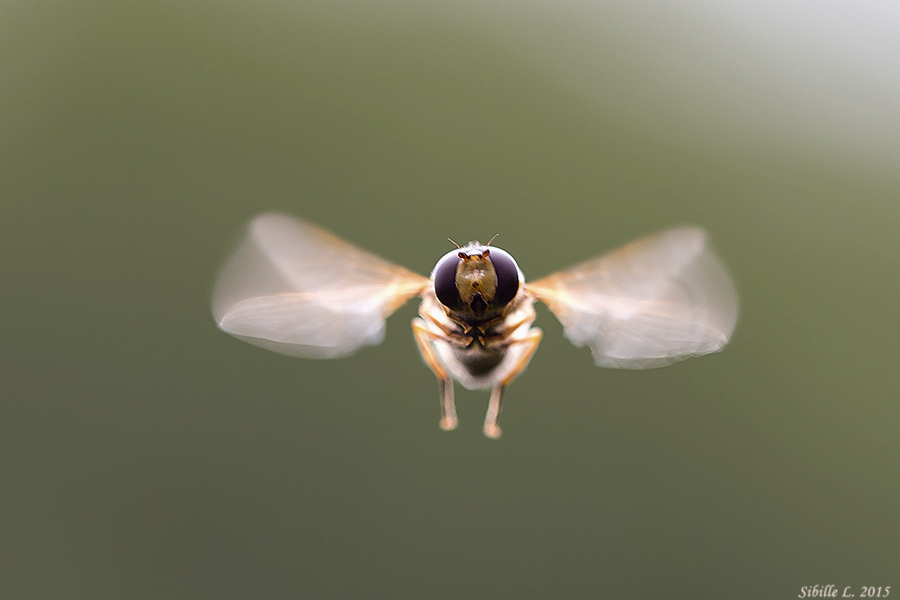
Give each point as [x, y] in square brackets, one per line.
[296, 289]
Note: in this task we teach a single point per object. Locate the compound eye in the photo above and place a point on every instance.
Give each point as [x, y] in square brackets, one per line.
[445, 280]
[507, 277]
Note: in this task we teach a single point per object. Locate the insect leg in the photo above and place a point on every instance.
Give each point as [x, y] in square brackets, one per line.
[491, 429]
[448, 420]
[423, 337]
[491, 419]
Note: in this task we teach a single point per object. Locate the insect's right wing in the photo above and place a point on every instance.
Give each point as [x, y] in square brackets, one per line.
[294, 288]
[660, 299]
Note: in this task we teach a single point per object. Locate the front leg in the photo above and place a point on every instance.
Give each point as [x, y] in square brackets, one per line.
[423, 336]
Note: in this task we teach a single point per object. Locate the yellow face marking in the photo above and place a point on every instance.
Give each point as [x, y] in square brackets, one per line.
[476, 275]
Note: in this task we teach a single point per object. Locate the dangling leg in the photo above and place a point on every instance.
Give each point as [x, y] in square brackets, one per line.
[491, 429]
[422, 334]
[491, 419]
[448, 420]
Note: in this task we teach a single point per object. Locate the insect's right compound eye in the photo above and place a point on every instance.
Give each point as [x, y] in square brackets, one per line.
[445, 280]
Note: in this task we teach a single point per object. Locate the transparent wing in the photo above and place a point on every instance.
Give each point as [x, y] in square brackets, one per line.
[297, 289]
[660, 299]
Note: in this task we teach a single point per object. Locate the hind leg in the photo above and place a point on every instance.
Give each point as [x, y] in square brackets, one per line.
[423, 337]
[491, 419]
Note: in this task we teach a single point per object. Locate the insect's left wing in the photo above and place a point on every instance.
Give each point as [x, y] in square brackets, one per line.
[294, 288]
[663, 298]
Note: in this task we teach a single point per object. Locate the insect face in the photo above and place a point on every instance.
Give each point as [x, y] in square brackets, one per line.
[476, 280]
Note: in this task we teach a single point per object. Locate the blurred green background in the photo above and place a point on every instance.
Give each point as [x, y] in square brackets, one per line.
[144, 454]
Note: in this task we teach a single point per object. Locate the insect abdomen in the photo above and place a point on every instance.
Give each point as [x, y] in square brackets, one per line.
[478, 362]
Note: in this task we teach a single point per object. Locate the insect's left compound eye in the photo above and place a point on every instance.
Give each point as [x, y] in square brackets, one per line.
[445, 280]
[507, 277]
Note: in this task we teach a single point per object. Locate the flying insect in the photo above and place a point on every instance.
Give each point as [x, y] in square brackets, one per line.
[297, 289]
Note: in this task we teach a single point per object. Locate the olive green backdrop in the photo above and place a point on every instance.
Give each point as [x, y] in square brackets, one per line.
[146, 455]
